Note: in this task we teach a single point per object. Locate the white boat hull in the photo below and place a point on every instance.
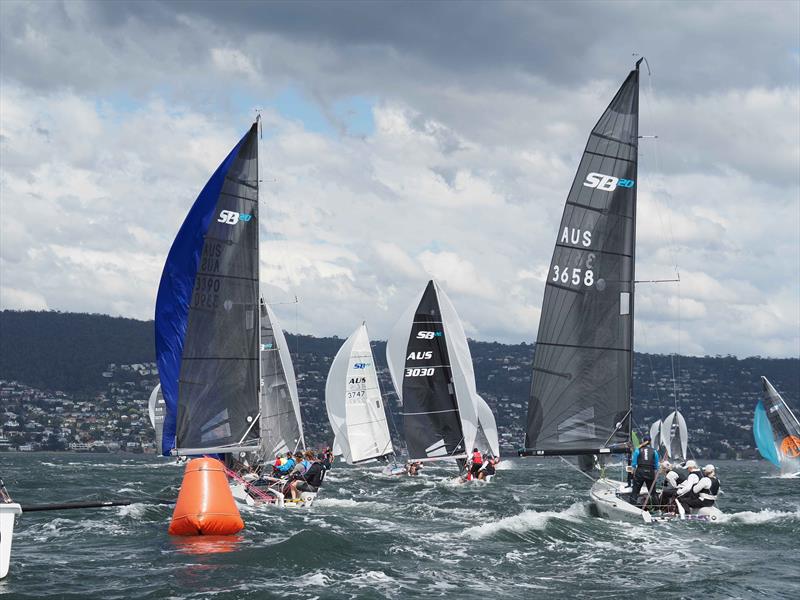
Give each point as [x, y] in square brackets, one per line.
[604, 494]
[272, 497]
[8, 516]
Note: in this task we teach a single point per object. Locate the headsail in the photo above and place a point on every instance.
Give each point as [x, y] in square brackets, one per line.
[206, 320]
[764, 436]
[431, 368]
[488, 426]
[281, 423]
[785, 426]
[353, 399]
[157, 410]
[582, 371]
[675, 436]
[655, 434]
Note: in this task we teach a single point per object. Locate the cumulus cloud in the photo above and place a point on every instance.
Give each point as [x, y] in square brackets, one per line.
[475, 119]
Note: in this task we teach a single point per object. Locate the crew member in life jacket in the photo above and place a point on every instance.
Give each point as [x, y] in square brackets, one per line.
[692, 477]
[672, 479]
[644, 463]
[704, 492]
[477, 463]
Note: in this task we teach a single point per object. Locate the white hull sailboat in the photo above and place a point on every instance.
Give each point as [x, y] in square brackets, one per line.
[581, 393]
[777, 431]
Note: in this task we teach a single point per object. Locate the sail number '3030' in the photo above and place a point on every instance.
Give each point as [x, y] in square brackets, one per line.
[420, 372]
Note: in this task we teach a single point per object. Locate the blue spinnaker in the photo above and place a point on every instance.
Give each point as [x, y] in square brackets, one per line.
[175, 293]
[762, 432]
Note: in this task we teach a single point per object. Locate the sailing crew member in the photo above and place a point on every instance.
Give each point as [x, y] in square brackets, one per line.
[488, 469]
[704, 492]
[310, 480]
[644, 463]
[672, 479]
[286, 467]
[477, 463]
[692, 478]
[414, 468]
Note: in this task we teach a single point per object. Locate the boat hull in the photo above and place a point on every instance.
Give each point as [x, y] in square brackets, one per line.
[269, 497]
[8, 515]
[604, 495]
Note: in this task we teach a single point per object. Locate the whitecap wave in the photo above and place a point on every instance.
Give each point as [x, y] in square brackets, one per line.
[526, 521]
[750, 517]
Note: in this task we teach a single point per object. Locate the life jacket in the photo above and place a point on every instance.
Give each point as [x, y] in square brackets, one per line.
[477, 459]
[709, 496]
[645, 462]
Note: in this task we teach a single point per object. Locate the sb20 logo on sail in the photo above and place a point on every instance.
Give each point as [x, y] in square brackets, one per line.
[428, 335]
[230, 217]
[607, 183]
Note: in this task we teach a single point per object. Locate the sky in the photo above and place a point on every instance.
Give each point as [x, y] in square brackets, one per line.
[405, 141]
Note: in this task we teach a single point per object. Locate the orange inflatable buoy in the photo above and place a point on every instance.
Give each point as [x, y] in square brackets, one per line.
[205, 504]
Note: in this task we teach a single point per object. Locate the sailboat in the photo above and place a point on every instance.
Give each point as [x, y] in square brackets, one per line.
[225, 373]
[580, 400]
[777, 431]
[675, 436]
[431, 368]
[355, 405]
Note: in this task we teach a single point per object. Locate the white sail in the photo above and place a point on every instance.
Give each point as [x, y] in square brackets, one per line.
[397, 344]
[353, 399]
[488, 424]
[655, 434]
[288, 370]
[674, 436]
[156, 409]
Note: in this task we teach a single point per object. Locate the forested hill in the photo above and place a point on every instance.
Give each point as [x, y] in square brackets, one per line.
[92, 356]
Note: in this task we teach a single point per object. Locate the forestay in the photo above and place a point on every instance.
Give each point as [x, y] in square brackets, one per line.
[281, 423]
[431, 368]
[354, 403]
[206, 320]
[581, 391]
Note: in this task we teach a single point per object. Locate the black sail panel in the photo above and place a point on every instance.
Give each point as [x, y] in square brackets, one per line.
[431, 419]
[581, 389]
[219, 377]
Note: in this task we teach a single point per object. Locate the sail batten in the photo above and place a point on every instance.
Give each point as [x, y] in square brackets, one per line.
[582, 372]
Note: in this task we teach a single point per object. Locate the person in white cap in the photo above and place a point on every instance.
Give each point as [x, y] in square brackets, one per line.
[672, 479]
[692, 478]
[704, 492]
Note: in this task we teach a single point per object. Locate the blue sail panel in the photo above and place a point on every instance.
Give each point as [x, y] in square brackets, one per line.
[765, 439]
[175, 293]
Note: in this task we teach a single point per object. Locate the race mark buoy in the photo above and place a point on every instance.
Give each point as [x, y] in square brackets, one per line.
[205, 504]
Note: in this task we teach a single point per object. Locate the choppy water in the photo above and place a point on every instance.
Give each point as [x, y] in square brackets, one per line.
[529, 534]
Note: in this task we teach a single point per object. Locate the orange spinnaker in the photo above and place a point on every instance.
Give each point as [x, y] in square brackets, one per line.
[790, 446]
[205, 504]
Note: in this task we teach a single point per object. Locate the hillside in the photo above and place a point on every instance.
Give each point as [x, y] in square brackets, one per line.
[70, 352]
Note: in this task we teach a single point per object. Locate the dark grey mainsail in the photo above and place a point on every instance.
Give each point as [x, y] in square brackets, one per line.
[582, 372]
[431, 419]
[218, 394]
[281, 428]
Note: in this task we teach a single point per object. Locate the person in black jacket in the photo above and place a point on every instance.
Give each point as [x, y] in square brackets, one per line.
[311, 480]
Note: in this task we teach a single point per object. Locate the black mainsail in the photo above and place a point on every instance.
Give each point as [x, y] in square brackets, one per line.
[207, 315]
[582, 372]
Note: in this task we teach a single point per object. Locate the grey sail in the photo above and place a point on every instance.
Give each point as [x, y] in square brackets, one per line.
[218, 392]
[581, 390]
[784, 424]
[280, 427]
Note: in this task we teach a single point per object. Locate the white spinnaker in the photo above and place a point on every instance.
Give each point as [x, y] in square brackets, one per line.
[460, 367]
[397, 344]
[335, 401]
[156, 409]
[288, 369]
[675, 442]
[488, 424]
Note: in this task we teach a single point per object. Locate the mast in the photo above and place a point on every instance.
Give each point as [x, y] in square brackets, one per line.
[582, 384]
